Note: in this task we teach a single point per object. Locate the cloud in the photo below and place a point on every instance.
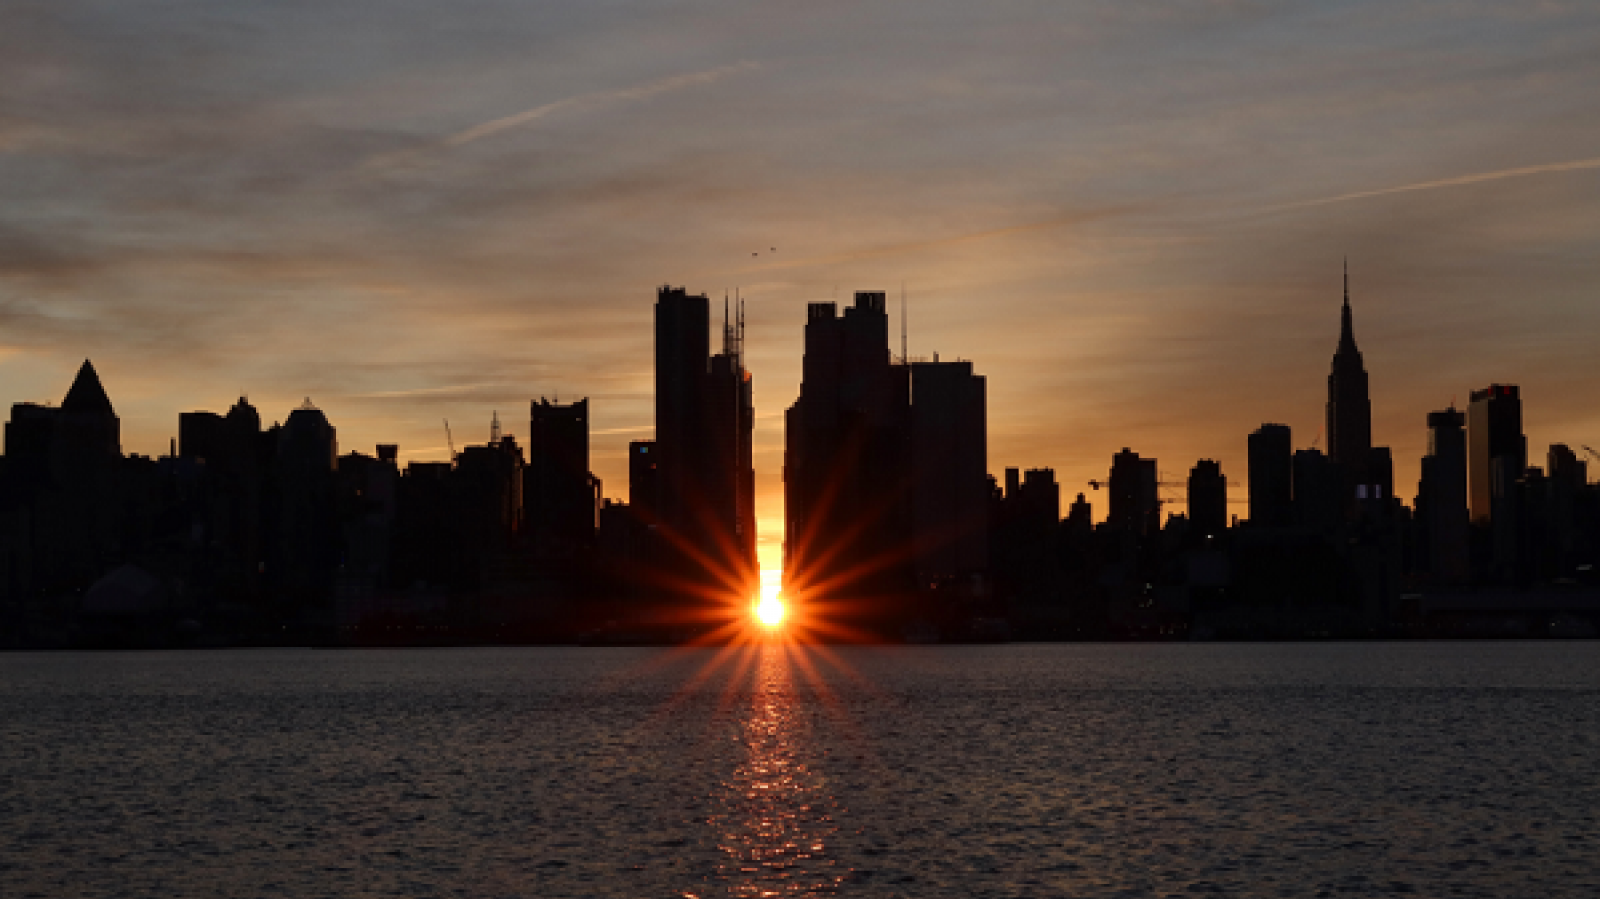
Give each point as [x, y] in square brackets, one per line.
[638, 92]
[593, 100]
[1479, 178]
[195, 196]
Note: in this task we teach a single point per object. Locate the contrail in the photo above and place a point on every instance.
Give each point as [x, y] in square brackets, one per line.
[1451, 182]
[511, 121]
[598, 98]
[639, 92]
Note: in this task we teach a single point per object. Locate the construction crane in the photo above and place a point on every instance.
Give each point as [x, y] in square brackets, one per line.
[451, 441]
[1591, 451]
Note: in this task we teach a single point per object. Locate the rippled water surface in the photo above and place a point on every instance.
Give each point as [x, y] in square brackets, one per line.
[1065, 770]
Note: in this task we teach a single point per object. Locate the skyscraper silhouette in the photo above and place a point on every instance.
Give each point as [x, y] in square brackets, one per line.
[644, 482]
[845, 478]
[1271, 477]
[886, 488]
[727, 453]
[704, 505]
[558, 490]
[305, 550]
[1497, 460]
[1566, 484]
[950, 467]
[1349, 407]
[1498, 451]
[682, 346]
[1441, 512]
[62, 463]
[1320, 500]
[228, 449]
[1208, 498]
[1135, 498]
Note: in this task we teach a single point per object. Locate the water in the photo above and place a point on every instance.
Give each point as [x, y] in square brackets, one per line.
[1102, 770]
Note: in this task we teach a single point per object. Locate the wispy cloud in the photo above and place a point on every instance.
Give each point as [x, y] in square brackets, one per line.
[592, 100]
[600, 98]
[634, 430]
[1462, 180]
[221, 216]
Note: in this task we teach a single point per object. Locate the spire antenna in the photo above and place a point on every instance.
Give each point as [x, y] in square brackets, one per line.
[904, 359]
[1347, 336]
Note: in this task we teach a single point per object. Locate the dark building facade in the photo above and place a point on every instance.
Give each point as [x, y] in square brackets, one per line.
[885, 483]
[1445, 544]
[949, 452]
[230, 455]
[644, 480]
[1567, 503]
[558, 499]
[1498, 451]
[1271, 476]
[845, 484]
[683, 350]
[302, 557]
[63, 488]
[1135, 497]
[1208, 498]
[1079, 522]
[1031, 501]
[368, 501]
[491, 491]
[727, 455]
[1497, 461]
[429, 549]
[1319, 491]
[702, 503]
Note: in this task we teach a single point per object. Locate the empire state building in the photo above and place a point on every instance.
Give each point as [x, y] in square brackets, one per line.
[1349, 408]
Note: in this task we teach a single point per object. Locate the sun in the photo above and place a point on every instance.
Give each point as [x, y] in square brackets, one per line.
[770, 608]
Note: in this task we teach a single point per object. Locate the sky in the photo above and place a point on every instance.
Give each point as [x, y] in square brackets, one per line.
[1131, 217]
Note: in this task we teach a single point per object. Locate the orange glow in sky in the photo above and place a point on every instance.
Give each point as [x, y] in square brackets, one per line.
[1128, 264]
[770, 608]
[770, 611]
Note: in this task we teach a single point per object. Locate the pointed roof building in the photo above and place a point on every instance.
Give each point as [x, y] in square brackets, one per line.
[1349, 405]
[87, 395]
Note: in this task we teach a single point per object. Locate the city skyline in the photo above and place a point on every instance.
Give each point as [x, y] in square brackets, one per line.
[1131, 221]
[769, 545]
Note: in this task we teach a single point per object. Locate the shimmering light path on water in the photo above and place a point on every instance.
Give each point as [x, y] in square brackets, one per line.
[775, 819]
[1251, 770]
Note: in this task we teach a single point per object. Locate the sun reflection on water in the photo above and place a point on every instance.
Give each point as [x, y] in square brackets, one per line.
[775, 818]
